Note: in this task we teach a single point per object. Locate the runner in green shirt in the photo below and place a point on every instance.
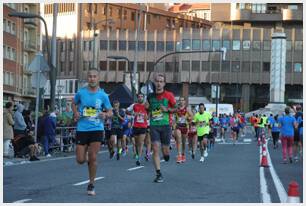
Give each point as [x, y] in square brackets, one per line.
[202, 119]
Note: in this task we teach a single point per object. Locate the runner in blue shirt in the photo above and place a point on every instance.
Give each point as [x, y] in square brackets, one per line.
[273, 122]
[87, 106]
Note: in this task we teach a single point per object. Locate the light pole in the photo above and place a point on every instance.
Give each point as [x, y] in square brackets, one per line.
[93, 27]
[129, 69]
[59, 91]
[24, 15]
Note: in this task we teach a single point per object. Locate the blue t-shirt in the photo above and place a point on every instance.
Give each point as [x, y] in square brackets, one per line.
[223, 122]
[287, 125]
[90, 104]
[300, 123]
[274, 124]
[271, 119]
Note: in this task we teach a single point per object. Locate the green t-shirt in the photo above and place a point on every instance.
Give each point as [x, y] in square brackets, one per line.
[202, 121]
[261, 123]
[157, 116]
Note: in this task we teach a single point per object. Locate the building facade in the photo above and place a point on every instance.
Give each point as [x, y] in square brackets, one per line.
[243, 75]
[199, 10]
[21, 41]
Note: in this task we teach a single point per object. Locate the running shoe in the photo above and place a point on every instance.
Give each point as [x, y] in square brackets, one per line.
[123, 153]
[147, 157]
[34, 158]
[159, 178]
[179, 159]
[192, 156]
[48, 155]
[183, 158]
[137, 162]
[205, 153]
[91, 190]
[118, 156]
[202, 159]
[290, 159]
[120, 151]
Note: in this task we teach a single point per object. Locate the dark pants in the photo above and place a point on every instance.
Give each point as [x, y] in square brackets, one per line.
[49, 140]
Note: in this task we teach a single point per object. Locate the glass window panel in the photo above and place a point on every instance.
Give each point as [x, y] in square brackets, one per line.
[227, 44]
[185, 65]
[141, 45]
[267, 45]
[150, 66]
[298, 45]
[206, 45]
[150, 45]
[205, 65]
[131, 45]
[297, 67]
[215, 66]
[245, 67]
[216, 44]
[255, 67]
[256, 45]
[236, 45]
[121, 65]
[169, 46]
[289, 45]
[113, 45]
[246, 45]
[112, 65]
[195, 65]
[122, 45]
[196, 44]
[225, 66]
[186, 44]
[160, 46]
[266, 66]
[103, 45]
[288, 67]
[235, 66]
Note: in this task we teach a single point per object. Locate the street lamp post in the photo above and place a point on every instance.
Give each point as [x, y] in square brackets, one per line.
[24, 15]
[94, 25]
[59, 91]
[129, 63]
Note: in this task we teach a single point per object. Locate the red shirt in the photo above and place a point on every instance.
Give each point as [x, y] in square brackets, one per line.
[140, 120]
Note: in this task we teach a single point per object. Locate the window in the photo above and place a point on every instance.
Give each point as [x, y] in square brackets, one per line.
[90, 43]
[140, 66]
[131, 45]
[266, 66]
[289, 45]
[122, 65]
[245, 67]
[70, 86]
[288, 67]
[70, 66]
[85, 65]
[225, 67]
[216, 44]
[195, 65]
[259, 8]
[235, 66]
[110, 11]
[112, 65]
[71, 45]
[125, 14]
[150, 45]
[62, 45]
[205, 65]
[160, 46]
[13, 54]
[169, 66]
[62, 66]
[267, 45]
[113, 45]
[13, 31]
[148, 18]
[246, 44]
[84, 45]
[103, 44]
[186, 44]
[196, 44]
[293, 7]
[256, 45]
[298, 45]
[169, 46]
[227, 44]
[4, 24]
[122, 45]
[133, 16]
[236, 45]
[298, 67]
[150, 66]
[255, 67]
[141, 45]
[215, 66]
[206, 45]
[103, 65]
[185, 65]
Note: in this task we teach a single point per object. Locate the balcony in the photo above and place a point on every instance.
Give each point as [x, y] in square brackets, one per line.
[292, 15]
[30, 46]
[248, 15]
[28, 92]
[241, 15]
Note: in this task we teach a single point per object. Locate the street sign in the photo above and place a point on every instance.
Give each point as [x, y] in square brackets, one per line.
[214, 89]
[39, 66]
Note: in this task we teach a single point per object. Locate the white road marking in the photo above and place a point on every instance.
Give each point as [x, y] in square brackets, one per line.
[282, 194]
[22, 201]
[263, 183]
[236, 143]
[87, 181]
[135, 168]
[247, 140]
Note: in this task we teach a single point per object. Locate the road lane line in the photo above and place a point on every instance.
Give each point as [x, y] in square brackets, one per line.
[87, 181]
[22, 201]
[135, 168]
[236, 143]
[265, 196]
[282, 194]
[247, 140]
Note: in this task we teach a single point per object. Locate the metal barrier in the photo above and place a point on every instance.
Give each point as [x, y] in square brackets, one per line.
[65, 139]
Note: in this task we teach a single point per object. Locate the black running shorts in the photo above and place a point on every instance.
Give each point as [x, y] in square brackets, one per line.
[161, 134]
[139, 131]
[87, 137]
[200, 138]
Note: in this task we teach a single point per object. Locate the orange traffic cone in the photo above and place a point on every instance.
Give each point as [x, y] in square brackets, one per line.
[264, 160]
[293, 193]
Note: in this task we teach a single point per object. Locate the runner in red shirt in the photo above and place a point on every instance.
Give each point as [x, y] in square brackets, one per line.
[183, 116]
[140, 125]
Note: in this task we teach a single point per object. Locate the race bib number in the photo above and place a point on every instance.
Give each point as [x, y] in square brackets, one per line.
[202, 124]
[89, 112]
[182, 120]
[276, 125]
[140, 118]
[157, 115]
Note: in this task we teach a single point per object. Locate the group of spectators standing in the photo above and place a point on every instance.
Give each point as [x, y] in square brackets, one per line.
[287, 127]
[18, 131]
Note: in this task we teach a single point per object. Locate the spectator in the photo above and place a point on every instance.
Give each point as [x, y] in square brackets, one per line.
[8, 123]
[298, 133]
[28, 120]
[40, 127]
[287, 124]
[20, 125]
[25, 145]
[49, 132]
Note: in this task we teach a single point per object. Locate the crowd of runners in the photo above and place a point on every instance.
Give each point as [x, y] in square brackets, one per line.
[148, 125]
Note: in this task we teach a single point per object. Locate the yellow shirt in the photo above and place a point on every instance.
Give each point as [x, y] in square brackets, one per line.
[202, 121]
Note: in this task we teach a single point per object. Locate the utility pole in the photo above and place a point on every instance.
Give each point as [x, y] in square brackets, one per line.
[53, 58]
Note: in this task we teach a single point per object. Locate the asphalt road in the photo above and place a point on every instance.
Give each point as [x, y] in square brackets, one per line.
[230, 174]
